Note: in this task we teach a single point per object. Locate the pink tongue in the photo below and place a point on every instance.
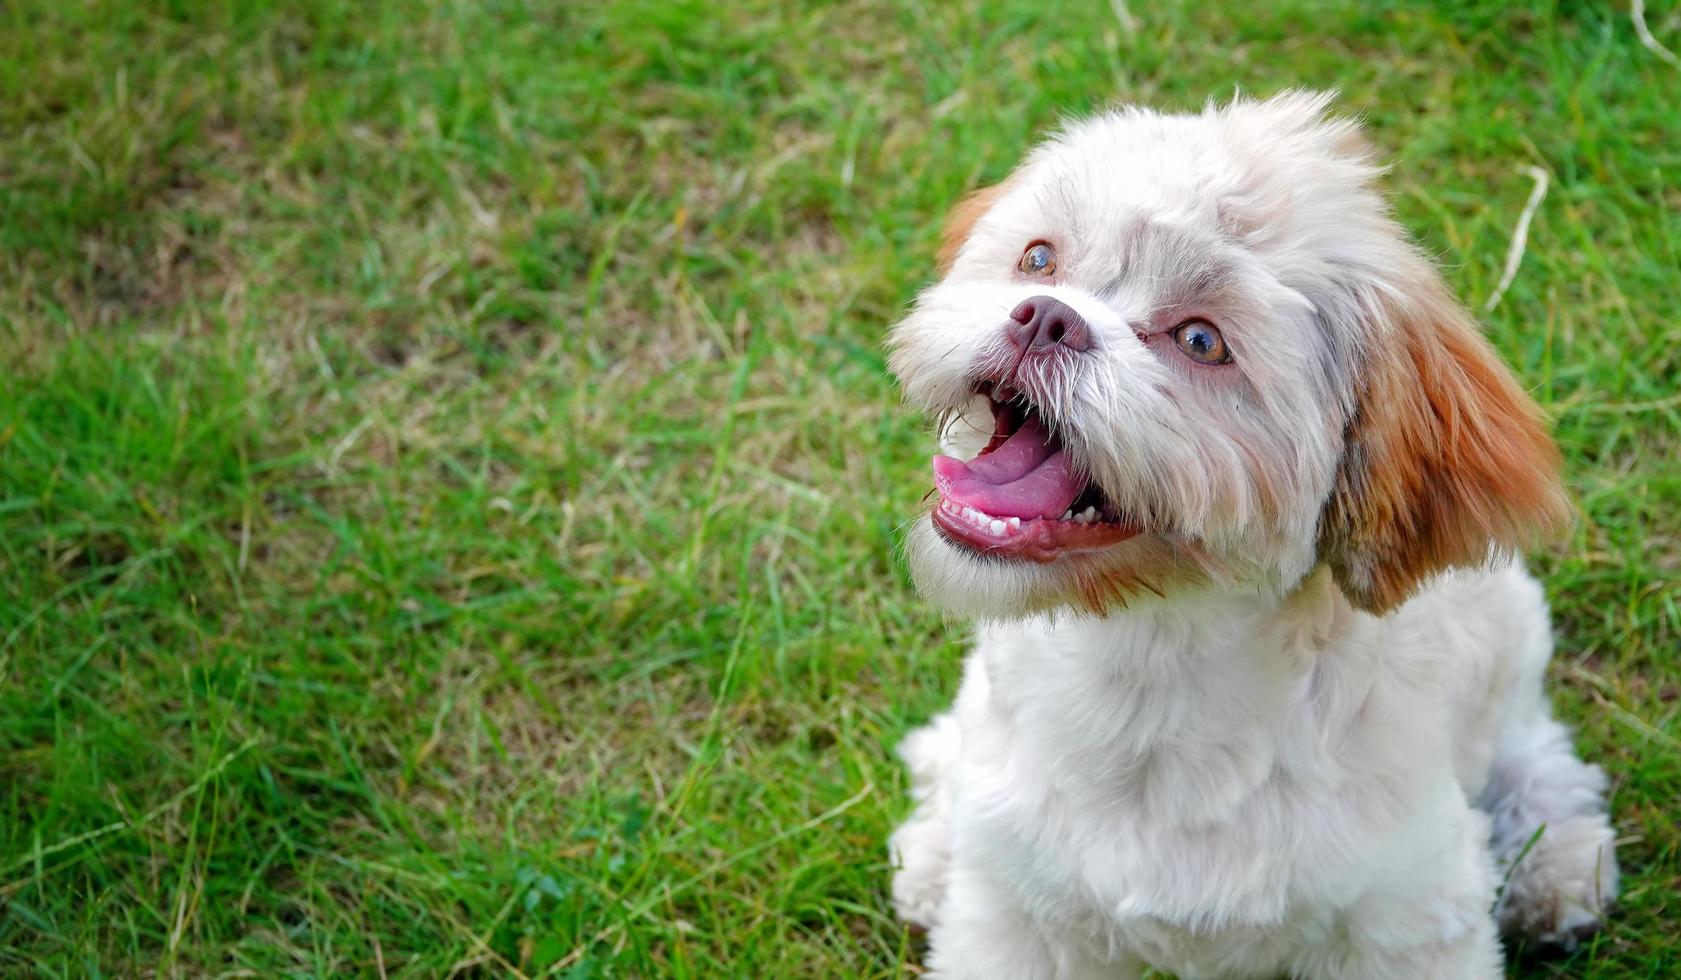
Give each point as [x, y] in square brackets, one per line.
[1026, 477]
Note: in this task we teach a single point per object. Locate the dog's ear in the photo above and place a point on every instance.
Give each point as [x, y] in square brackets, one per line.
[1447, 461]
[962, 220]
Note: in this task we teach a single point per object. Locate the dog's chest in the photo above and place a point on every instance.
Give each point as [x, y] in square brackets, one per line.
[1219, 898]
[1108, 804]
[1196, 871]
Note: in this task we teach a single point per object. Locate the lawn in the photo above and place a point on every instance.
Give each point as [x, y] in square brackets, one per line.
[449, 481]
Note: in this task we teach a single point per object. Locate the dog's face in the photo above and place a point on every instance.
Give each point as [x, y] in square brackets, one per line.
[1189, 349]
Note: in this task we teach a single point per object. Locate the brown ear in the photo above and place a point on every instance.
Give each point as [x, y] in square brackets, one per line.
[1447, 459]
[962, 220]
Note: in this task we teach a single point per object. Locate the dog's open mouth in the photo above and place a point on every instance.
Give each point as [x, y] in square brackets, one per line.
[1024, 496]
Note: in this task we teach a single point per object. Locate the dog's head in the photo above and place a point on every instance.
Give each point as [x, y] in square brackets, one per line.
[1174, 349]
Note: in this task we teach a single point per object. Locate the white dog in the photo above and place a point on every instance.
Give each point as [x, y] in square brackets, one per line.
[1257, 688]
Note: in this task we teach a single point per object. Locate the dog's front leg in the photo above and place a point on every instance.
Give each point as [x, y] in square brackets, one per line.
[984, 932]
[1428, 914]
[1474, 955]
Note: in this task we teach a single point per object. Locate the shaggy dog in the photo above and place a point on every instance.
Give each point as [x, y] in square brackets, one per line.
[1233, 489]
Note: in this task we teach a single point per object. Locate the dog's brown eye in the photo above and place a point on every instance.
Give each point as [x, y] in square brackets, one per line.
[1201, 342]
[1038, 260]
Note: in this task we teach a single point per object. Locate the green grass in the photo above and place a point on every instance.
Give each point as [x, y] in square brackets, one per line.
[449, 480]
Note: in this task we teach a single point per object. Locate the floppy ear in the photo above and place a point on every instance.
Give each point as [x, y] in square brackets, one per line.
[962, 220]
[1446, 460]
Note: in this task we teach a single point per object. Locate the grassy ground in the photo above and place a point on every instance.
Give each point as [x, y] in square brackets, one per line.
[448, 479]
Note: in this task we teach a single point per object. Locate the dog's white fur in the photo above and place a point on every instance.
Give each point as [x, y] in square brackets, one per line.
[1233, 746]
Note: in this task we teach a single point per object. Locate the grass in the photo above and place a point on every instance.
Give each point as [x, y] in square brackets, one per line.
[449, 480]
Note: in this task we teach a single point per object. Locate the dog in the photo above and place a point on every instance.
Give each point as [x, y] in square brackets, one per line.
[1233, 490]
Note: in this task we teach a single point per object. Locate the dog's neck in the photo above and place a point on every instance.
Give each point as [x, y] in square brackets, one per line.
[1186, 703]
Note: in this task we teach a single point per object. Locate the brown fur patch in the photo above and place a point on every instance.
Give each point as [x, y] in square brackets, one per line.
[962, 220]
[1446, 456]
[1153, 566]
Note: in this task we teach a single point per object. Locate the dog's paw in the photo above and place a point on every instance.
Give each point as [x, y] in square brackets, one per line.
[1558, 893]
[923, 858]
[920, 848]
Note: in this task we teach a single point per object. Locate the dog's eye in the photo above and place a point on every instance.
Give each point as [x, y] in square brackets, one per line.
[1201, 342]
[1038, 260]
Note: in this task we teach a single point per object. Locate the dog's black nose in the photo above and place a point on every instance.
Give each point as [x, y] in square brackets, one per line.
[1041, 324]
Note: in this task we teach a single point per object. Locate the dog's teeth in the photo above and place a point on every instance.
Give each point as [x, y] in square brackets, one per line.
[1067, 515]
[1015, 523]
[1089, 515]
[997, 526]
